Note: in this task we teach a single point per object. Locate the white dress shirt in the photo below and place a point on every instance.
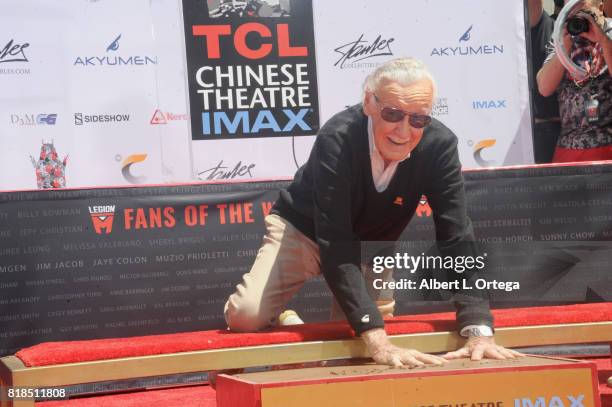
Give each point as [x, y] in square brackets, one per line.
[382, 176]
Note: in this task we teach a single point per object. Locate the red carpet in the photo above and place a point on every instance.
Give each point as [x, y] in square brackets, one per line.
[204, 396]
[79, 351]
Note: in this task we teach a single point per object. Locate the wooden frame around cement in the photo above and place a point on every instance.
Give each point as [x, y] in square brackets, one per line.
[14, 373]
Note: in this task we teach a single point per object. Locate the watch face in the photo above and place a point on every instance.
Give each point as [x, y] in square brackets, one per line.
[481, 331]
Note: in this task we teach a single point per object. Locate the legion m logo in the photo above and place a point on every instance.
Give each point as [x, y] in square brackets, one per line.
[102, 218]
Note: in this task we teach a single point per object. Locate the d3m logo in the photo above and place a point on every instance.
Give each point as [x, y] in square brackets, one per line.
[102, 218]
[478, 150]
[423, 209]
[555, 401]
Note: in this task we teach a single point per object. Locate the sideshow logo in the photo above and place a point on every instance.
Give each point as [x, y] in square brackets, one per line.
[489, 104]
[555, 401]
[81, 119]
[14, 52]
[221, 171]
[114, 60]
[360, 49]
[468, 50]
[481, 145]
[160, 117]
[249, 8]
[423, 209]
[126, 168]
[42, 119]
[102, 218]
[440, 107]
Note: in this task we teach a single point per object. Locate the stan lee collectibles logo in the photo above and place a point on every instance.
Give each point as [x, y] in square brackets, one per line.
[362, 49]
[102, 218]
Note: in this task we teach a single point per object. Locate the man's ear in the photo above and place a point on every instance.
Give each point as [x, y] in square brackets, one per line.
[368, 100]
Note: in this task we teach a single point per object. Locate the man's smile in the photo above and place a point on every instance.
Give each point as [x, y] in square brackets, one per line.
[398, 143]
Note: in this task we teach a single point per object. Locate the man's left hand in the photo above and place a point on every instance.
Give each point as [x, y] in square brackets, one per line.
[478, 347]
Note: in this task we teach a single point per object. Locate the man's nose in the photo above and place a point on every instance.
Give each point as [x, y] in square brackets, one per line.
[404, 129]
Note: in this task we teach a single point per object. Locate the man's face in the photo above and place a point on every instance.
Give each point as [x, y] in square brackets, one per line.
[395, 140]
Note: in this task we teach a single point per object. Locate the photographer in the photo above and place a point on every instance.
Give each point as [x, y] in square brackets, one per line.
[585, 105]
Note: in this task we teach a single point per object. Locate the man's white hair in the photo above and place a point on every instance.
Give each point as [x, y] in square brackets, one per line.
[403, 71]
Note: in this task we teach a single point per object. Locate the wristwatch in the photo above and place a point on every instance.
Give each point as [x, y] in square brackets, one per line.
[476, 330]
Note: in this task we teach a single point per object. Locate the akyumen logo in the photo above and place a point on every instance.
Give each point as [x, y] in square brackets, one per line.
[102, 218]
[467, 50]
[114, 60]
[466, 35]
[114, 46]
[478, 151]
[126, 166]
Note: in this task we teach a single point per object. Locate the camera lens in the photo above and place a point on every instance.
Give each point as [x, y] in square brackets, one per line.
[577, 25]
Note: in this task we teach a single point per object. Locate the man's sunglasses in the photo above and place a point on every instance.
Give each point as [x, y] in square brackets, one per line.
[392, 115]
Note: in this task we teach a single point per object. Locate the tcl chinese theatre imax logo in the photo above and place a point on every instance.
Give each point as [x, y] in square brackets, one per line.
[251, 76]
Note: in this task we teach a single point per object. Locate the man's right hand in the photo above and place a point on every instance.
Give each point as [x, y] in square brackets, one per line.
[385, 353]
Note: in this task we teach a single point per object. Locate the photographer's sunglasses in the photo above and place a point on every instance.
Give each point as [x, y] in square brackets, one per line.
[392, 115]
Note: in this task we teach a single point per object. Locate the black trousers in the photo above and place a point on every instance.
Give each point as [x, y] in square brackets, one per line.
[545, 137]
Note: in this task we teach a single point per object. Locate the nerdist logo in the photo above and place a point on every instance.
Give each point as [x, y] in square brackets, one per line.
[160, 117]
[102, 218]
[81, 119]
[114, 58]
[353, 53]
[465, 50]
[479, 147]
[33, 119]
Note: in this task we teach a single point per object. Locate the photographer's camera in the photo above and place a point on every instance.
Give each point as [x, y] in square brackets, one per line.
[577, 25]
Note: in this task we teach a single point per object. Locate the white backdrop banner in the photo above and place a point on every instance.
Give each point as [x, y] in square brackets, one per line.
[474, 48]
[94, 92]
